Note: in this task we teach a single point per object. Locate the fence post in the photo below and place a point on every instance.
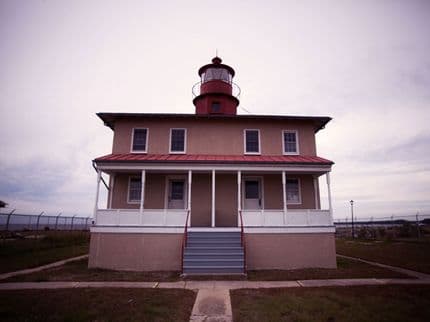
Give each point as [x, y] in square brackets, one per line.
[71, 226]
[8, 219]
[418, 226]
[38, 218]
[86, 223]
[56, 220]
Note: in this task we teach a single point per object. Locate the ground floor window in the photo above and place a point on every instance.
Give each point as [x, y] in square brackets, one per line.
[134, 189]
[293, 191]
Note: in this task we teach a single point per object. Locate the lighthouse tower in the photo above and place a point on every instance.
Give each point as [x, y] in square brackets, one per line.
[216, 93]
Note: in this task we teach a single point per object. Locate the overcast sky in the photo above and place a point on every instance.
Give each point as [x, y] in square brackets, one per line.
[364, 63]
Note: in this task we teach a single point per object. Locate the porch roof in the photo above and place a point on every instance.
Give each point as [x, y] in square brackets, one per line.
[205, 158]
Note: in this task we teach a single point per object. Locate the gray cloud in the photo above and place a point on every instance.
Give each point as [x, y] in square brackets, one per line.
[363, 63]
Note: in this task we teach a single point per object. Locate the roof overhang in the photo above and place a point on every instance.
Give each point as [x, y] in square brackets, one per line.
[109, 119]
[136, 162]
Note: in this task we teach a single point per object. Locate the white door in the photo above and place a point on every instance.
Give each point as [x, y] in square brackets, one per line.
[176, 194]
[252, 194]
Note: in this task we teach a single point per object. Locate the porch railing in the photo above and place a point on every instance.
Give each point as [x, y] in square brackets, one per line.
[242, 239]
[133, 217]
[184, 241]
[249, 218]
[294, 217]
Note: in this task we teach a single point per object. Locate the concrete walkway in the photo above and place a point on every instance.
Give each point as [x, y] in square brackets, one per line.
[41, 268]
[214, 285]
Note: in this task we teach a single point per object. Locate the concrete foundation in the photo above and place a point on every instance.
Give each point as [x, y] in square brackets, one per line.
[162, 252]
[290, 251]
[135, 252]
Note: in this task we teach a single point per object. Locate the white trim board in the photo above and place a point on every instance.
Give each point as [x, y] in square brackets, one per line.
[234, 168]
[180, 230]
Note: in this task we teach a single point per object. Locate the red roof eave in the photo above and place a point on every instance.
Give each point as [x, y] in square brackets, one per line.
[204, 158]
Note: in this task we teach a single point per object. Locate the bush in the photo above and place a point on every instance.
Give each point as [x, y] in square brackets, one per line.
[406, 230]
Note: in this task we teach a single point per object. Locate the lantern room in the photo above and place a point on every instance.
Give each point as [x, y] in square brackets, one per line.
[216, 93]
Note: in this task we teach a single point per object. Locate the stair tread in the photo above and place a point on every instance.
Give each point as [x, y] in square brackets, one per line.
[217, 267]
[213, 254]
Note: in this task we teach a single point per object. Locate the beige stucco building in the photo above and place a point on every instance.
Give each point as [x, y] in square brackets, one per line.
[213, 191]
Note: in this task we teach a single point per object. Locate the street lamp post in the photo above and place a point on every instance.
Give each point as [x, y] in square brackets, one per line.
[352, 217]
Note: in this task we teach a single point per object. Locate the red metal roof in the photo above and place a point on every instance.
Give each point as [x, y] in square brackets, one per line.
[204, 158]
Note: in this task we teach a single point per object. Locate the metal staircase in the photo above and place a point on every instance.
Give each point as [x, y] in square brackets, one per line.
[212, 252]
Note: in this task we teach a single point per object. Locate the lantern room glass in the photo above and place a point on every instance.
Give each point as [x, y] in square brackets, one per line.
[216, 74]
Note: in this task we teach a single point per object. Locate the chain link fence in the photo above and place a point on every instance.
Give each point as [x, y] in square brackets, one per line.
[21, 221]
[416, 226]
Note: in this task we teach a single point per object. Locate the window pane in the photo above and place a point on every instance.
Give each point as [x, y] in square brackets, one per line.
[290, 142]
[135, 189]
[216, 73]
[292, 186]
[252, 190]
[139, 140]
[178, 140]
[177, 192]
[216, 107]
[252, 141]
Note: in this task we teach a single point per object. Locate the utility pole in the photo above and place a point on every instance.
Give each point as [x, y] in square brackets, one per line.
[418, 226]
[352, 218]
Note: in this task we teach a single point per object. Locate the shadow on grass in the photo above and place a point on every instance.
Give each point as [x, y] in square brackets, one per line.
[79, 271]
[97, 305]
[363, 303]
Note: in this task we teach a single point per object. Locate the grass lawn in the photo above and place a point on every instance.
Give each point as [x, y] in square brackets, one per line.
[78, 271]
[345, 269]
[364, 303]
[97, 305]
[411, 254]
[49, 247]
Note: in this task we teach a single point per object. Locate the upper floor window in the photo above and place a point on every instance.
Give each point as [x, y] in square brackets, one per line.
[293, 191]
[178, 140]
[290, 142]
[139, 140]
[252, 141]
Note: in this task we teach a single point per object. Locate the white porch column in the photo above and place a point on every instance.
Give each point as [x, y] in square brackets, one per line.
[213, 198]
[142, 192]
[96, 206]
[327, 175]
[316, 193]
[239, 196]
[112, 183]
[189, 196]
[284, 195]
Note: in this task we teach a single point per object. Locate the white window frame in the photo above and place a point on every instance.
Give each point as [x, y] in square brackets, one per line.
[133, 202]
[297, 142]
[132, 140]
[185, 141]
[259, 142]
[300, 191]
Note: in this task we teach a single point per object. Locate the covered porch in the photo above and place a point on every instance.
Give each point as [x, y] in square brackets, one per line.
[213, 196]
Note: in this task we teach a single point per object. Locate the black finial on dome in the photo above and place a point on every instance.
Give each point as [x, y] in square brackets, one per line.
[216, 60]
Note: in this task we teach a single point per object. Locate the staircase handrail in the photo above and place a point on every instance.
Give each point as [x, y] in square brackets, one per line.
[242, 240]
[184, 240]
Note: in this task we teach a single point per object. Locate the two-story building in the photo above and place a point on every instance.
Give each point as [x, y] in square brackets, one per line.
[213, 191]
